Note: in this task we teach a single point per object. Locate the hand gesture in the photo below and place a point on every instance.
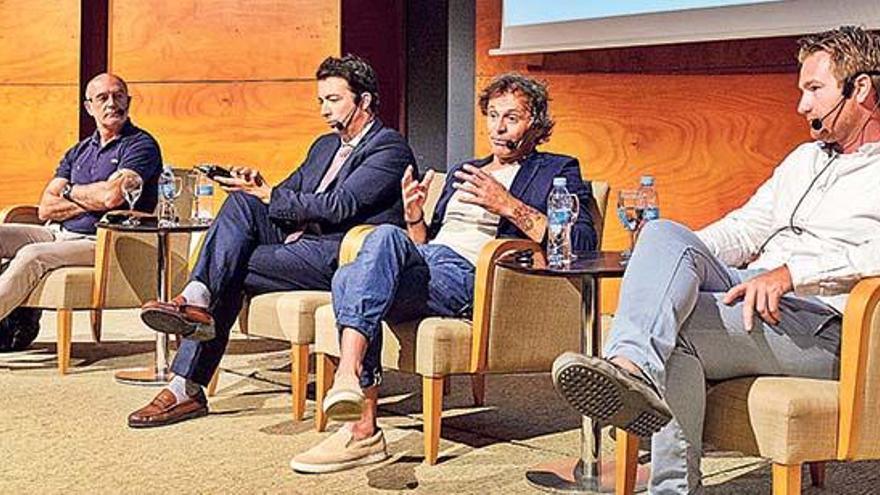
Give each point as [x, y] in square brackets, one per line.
[762, 294]
[482, 189]
[247, 180]
[414, 195]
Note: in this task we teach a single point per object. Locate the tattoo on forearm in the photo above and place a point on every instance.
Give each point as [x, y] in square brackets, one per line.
[525, 217]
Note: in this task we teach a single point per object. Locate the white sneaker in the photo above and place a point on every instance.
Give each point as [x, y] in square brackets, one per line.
[344, 400]
[341, 451]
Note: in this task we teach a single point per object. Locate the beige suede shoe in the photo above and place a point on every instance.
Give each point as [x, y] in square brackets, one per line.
[340, 451]
[345, 400]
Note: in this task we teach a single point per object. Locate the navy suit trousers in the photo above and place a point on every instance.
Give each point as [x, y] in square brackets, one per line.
[244, 253]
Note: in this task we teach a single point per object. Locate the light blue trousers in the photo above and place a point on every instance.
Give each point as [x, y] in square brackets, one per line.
[671, 322]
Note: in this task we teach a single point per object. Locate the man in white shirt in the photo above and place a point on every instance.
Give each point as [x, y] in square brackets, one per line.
[688, 312]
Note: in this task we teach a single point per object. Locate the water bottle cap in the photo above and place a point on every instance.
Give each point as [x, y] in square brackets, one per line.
[647, 180]
[559, 181]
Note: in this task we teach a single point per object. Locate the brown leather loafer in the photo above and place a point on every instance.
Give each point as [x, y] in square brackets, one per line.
[165, 410]
[178, 318]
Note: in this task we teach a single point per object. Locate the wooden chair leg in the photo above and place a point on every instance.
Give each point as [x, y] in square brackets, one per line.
[432, 408]
[95, 317]
[65, 327]
[478, 388]
[817, 473]
[323, 382]
[212, 385]
[626, 456]
[786, 479]
[299, 378]
[243, 317]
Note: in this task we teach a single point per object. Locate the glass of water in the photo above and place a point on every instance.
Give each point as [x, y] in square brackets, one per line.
[629, 211]
[132, 186]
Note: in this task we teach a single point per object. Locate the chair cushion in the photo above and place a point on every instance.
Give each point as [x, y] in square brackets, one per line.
[789, 420]
[286, 315]
[69, 287]
[430, 347]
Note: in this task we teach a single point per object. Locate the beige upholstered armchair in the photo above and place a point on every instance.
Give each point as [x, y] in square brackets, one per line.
[291, 316]
[515, 328]
[793, 421]
[123, 276]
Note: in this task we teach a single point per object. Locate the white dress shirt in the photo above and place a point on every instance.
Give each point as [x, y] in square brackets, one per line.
[838, 217]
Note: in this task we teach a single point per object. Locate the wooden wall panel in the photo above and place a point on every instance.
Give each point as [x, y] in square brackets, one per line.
[709, 138]
[38, 125]
[180, 40]
[268, 125]
[38, 93]
[39, 42]
[226, 81]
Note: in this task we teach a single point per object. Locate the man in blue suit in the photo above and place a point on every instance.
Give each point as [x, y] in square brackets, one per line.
[429, 270]
[286, 237]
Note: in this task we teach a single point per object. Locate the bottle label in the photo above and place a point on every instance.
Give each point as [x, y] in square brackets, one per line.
[559, 217]
[651, 213]
[205, 190]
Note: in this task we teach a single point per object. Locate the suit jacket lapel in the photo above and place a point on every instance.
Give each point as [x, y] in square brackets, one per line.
[358, 152]
[527, 172]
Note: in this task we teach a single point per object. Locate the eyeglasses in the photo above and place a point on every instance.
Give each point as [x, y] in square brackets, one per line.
[102, 98]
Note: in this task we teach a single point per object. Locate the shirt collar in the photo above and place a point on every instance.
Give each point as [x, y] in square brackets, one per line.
[127, 129]
[353, 142]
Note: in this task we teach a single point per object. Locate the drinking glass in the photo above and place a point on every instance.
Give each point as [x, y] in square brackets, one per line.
[132, 186]
[629, 211]
[168, 193]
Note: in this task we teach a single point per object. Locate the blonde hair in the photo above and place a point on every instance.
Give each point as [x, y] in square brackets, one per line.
[852, 49]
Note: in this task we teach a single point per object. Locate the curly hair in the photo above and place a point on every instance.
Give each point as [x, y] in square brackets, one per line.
[852, 49]
[533, 90]
[357, 72]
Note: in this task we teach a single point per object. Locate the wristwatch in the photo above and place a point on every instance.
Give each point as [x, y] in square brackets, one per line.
[65, 193]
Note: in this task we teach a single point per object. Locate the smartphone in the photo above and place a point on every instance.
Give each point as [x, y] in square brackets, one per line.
[213, 171]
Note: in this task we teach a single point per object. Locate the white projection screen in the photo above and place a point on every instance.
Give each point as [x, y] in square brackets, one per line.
[533, 26]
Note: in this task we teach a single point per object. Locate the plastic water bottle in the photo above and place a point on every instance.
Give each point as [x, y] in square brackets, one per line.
[648, 200]
[560, 214]
[203, 199]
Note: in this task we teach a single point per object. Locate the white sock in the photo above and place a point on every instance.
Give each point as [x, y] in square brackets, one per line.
[182, 388]
[197, 294]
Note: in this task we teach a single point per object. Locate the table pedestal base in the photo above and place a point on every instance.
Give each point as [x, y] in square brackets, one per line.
[566, 476]
[142, 376]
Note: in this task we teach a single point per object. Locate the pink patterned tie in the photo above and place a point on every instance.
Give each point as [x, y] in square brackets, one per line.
[342, 154]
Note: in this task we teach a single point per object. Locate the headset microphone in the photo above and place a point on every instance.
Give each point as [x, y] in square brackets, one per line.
[339, 125]
[819, 124]
[511, 145]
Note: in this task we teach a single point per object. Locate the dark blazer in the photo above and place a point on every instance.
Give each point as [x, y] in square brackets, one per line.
[532, 185]
[366, 191]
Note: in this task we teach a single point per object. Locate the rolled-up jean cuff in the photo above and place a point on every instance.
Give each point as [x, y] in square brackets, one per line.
[354, 322]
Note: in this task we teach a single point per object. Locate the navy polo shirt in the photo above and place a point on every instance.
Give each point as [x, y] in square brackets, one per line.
[88, 162]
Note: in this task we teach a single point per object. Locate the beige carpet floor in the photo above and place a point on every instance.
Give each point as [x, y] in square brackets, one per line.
[68, 434]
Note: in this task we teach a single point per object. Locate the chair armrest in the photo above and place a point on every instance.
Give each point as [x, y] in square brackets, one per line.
[352, 242]
[860, 327]
[483, 284]
[20, 214]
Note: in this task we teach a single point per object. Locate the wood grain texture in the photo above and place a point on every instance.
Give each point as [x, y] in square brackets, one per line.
[266, 125]
[37, 125]
[710, 140]
[39, 42]
[170, 40]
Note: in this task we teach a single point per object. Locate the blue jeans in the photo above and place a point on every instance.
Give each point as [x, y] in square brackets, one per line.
[672, 323]
[244, 253]
[395, 279]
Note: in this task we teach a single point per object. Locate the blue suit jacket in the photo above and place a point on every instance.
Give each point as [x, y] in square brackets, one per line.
[532, 185]
[366, 190]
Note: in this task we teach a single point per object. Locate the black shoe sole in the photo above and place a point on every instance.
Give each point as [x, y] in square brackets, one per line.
[598, 390]
[162, 321]
[198, 413]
